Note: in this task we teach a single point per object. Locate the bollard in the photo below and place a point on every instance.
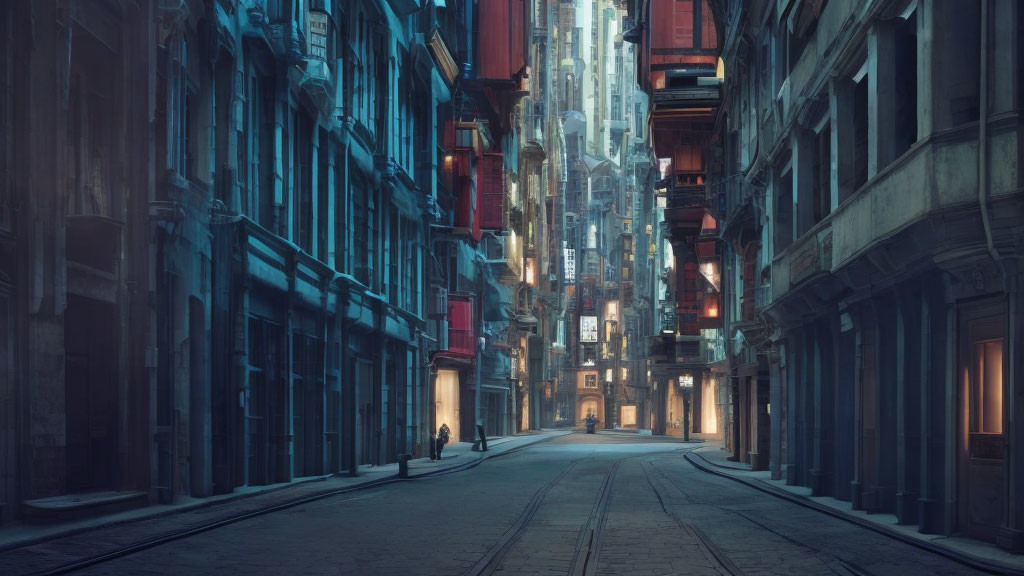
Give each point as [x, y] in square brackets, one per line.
[483, 438]
[403, 465]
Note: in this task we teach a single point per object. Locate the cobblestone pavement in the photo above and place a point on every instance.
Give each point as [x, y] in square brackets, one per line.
[605, 504]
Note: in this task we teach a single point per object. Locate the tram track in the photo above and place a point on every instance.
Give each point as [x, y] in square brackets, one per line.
[144, 544]
[590, 535]
[834, 564]
[708, 548]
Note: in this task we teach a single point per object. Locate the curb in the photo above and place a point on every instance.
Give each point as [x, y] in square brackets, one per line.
[470, 463]
[989, 566]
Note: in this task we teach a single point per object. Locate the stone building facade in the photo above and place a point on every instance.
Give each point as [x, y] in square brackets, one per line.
[873, 209]
[249, 241]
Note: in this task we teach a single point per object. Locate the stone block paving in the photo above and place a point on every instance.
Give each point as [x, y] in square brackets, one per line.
[658, 506]
[764, 535]
[639, 538]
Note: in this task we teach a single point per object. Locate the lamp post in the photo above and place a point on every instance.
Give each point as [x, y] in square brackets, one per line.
[481, 344]
[686, 383]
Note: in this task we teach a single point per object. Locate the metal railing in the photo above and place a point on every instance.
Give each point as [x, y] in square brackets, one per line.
[461, 341]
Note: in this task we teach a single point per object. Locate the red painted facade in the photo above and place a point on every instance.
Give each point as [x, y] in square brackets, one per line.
[461, 337]
[492, 191]
[501, 47]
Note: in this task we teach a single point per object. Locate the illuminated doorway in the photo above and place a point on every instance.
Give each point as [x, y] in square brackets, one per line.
[446, 402]
[981, 444]
[708, 406]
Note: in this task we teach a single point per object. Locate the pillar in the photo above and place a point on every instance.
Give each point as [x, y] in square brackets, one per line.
[775, 372]
[856, 485]
[816, 463]
[908, 403]
[792, 440]
[1011, 534]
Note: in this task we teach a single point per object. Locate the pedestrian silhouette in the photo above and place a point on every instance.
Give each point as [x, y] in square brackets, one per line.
[442, 439]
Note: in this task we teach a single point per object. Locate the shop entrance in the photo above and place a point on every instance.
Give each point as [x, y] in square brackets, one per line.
[980, 446]
[446, 402]
[90, 377]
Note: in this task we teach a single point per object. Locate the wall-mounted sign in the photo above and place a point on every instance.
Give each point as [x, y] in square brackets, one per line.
[570, 265]
[588, 328]
[317, 47]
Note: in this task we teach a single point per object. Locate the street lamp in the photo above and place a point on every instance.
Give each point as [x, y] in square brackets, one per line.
[686, 383]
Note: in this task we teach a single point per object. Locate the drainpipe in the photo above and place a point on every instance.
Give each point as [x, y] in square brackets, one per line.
[467, 66]
[983, 176]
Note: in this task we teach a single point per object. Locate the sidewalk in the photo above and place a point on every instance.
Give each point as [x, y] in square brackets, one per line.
[712, 458]
[159, 521]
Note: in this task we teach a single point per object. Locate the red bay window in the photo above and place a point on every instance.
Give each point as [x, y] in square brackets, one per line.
[492, 192]
[461, 338]
[688, 298]
[502, 47]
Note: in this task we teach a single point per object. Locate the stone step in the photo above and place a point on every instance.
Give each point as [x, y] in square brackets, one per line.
[81, 505]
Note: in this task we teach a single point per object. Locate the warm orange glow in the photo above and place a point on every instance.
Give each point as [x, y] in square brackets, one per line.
[713, 312]
[446, 401]
[988, 388]
[449, 161]
[658, 79]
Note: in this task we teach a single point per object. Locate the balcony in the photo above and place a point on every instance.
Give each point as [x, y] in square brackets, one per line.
[806, 258]
[505, 256]
[682, 190]
[684, 350]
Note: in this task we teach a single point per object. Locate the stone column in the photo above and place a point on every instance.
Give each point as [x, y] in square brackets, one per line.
[926, 512]
[908, 403]
[816, 457]
[856, 485]
[792, 441]
[775, 369]
[1011, 534]
[948, 405]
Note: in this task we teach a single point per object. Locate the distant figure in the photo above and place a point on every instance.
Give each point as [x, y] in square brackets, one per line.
[433, 446]
[442, 438]
[591, 424]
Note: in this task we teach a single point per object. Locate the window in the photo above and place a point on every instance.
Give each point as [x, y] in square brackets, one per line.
[987, 388]
[323, 216]
[590, 381]
[341, 211]
[176, 110]
[408, 266]
[783, 212]
[360, 253]
[860, 134]
[822, 173]
[394, 256]
[302, 171]
[589, 355]
[906, 85]
[263, 154]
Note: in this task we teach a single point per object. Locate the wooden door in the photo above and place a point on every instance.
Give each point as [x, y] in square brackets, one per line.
[981, 444]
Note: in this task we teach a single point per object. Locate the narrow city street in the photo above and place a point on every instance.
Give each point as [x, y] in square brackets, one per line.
[673, 286]
[611, 503]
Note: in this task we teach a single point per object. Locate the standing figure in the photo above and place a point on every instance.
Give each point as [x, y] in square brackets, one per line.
[433, 445]
[442, 438]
